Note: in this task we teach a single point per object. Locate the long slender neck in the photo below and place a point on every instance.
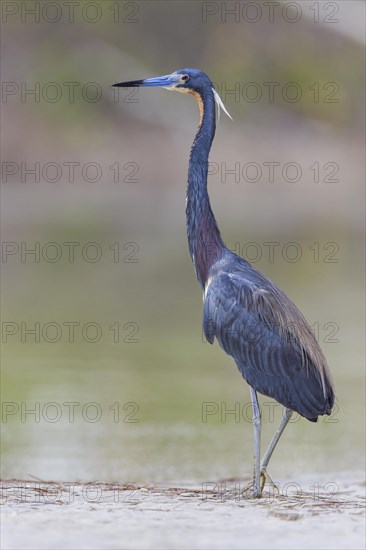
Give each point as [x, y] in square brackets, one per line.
[205, 243]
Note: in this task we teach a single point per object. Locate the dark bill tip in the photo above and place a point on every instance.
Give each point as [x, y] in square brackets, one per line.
[128, 84]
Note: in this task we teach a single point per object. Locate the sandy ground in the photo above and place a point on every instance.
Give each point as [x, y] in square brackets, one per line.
[40, 515]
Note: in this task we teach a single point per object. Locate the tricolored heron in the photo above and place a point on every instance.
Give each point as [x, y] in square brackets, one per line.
[252, 319]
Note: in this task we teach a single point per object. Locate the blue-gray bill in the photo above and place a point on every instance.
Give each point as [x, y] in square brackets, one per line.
[165, 81]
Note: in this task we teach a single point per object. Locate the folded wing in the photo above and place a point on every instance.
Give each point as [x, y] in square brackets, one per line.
[270, 341]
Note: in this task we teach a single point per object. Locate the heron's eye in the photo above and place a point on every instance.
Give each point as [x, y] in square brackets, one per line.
[185, 77]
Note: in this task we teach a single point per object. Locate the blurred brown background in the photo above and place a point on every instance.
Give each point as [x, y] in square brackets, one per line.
[117, 372]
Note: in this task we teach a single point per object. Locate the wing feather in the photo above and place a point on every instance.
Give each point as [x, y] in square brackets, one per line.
[270, 341]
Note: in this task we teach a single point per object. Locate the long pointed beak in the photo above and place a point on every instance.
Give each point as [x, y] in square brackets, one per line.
[165, 81]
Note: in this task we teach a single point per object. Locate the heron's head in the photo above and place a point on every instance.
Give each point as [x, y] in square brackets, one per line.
[190, 81]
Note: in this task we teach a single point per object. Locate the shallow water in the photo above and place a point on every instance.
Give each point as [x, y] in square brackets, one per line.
[147, 398]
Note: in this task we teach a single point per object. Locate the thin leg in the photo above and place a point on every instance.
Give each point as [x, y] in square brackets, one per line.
[257, 443]
[284, 420]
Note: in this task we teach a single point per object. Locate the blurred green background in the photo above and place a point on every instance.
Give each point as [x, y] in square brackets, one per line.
[147, 376]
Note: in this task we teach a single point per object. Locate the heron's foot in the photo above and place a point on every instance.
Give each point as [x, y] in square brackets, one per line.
[255, 493]
[265, 477]
[254, 489]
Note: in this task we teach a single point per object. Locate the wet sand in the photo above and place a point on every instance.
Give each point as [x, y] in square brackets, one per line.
[45, 515]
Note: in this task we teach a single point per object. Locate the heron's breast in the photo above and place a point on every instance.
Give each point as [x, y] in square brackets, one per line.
[207, 285]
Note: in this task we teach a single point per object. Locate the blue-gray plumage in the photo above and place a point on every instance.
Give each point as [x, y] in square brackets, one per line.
[251, 318]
